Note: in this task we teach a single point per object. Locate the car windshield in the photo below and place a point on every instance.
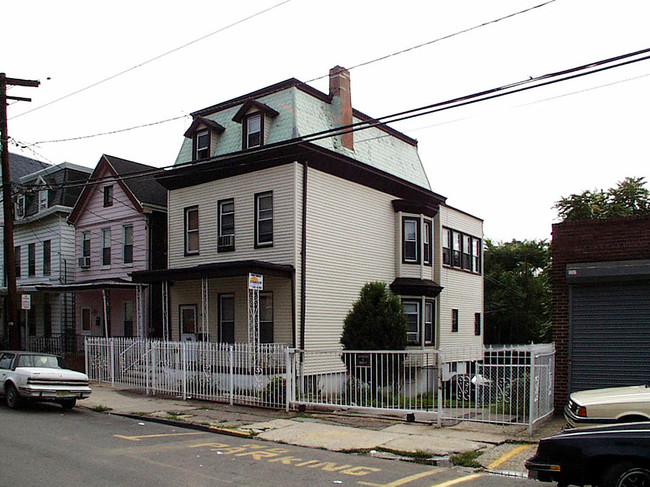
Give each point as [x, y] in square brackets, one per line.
[38, 361]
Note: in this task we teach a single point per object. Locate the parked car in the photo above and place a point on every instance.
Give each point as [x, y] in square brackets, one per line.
[607, 456]
[31, 376]
[606, 406]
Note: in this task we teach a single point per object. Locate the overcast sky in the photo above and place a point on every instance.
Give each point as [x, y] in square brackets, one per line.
[506, 161]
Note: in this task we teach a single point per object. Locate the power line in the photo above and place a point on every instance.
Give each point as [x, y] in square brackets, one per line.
[481, 96]
[449, 36]
[148, 61]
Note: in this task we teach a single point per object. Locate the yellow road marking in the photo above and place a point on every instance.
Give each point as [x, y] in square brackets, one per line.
[508, 455]
[459, 480]
[405, 480]
[138, 438]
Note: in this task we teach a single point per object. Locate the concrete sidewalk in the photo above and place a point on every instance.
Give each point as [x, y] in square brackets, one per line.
[503, 448]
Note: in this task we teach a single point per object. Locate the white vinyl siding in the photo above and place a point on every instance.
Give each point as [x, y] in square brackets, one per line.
[351, 241]
[242, 190]
[462, 290]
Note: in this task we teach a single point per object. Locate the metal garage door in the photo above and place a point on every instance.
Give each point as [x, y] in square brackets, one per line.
[610, 335]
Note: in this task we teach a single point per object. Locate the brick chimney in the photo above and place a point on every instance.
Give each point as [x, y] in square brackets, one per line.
[342, 102]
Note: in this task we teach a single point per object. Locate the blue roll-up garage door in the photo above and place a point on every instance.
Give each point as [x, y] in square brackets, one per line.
[610, 335]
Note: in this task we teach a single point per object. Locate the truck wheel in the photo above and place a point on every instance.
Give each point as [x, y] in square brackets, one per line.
[626, 474]
[13, 398]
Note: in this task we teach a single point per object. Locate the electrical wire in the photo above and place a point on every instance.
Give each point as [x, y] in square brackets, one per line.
[481, 96]
[160, 56]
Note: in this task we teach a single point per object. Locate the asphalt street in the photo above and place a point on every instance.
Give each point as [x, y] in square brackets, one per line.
[44, 445]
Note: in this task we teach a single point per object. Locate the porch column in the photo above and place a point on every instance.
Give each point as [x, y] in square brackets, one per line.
[105, 301]
[165, 310]
[205, 323]
[139, 311]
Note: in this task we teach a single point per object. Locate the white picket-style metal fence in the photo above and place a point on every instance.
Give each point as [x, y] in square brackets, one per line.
[233, 373]
[505, 385]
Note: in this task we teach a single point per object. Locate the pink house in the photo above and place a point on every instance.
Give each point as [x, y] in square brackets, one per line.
[120, 224]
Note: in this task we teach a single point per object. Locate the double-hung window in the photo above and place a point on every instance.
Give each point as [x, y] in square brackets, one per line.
[201, 145]
[461, 250]
[476, 255]
[106, 246]
[446, 246]
[410, 240]
[264, 219]
[429, 334]
[454, 320]
[84, 260]
[467, 252]
[477, 324]
[20, 207]
[47, 257]
[253, 131]
[227, 318]
[226, 215]
[31, 259]
[192, 230]
[187, 317]
[426, 244]
[108, 195]
[412, 311]
[456, 260]
[43, 199]
[127, 244]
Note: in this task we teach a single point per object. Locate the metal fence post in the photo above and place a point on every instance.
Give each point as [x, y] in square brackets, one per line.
[440, 389]
[531, 392]
[184, 366]
[232, 374]
[86, 356]
[288, 378]
[146, 367]
[112, 348]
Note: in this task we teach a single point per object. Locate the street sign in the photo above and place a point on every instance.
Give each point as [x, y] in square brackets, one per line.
[256, 282]
[26, 301]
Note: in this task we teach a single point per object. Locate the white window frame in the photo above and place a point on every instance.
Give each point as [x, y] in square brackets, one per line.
[106, 246]
[189, 232]
[262, 216]
[126, 243]
[20, 207]
[255, 117]
[418, 324]
[202, 150]
[413, 242]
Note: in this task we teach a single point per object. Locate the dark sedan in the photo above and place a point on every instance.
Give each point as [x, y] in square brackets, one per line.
[606, 456]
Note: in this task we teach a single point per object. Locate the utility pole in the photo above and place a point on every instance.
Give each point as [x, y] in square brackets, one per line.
[9, 257]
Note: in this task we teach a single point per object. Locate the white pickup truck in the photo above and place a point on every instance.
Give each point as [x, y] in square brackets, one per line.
[32, 376]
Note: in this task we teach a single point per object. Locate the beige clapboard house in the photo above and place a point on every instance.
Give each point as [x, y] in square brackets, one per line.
[268, 183]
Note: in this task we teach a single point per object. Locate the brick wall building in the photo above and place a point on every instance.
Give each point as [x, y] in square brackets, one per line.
[601, 301]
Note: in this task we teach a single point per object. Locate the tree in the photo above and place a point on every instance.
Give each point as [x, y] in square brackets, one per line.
[628, 198]
[376, 321]
[517, 292]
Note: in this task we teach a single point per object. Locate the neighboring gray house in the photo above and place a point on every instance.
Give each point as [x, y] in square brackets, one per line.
[44, 248]
[254, 191]
[19, 167]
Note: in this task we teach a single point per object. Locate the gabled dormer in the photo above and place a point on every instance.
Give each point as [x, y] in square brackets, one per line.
[254, 118]
[203, 133]
[43, 195]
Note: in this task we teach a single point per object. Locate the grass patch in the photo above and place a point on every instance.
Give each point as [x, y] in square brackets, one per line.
[101, 409]
[139, 413]
[467, 459]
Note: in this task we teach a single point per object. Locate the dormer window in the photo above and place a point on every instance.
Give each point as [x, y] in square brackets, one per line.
[20, 207]
[201, 132]
[253, 115]
[42, 199]
[201, 145]
[253, 131]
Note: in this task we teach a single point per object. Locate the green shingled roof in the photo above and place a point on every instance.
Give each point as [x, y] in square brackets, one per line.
[302, 111]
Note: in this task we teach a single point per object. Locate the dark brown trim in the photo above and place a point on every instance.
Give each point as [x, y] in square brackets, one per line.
[418, 239]
[415, 207]
[214, 270]
[186, 252]
[256, 243]
[319, 158]
[242, 113]
[209, 124]
[411, 286]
